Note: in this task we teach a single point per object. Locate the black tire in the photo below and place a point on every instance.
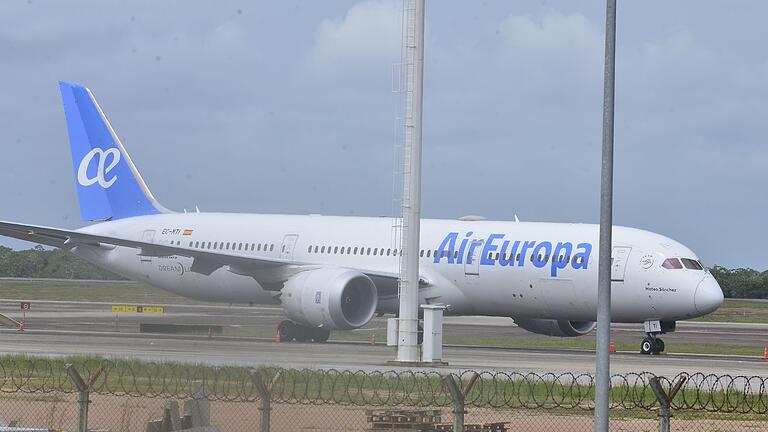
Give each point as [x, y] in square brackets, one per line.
[287, 330]
[321, 335]
[302, 334]
[659, 346]
[647, 346]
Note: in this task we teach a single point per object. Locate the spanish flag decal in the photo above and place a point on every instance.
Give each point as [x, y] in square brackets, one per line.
[187, 232]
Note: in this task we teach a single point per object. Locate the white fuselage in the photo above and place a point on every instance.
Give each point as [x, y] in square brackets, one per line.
[472, 282]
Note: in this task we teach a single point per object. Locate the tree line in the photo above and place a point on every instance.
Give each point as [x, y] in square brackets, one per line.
[39, 262]
[42, 263]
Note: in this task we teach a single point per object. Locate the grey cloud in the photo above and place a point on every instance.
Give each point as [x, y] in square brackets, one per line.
[286, 107]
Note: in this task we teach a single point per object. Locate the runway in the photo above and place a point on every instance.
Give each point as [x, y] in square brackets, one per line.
[72, 328]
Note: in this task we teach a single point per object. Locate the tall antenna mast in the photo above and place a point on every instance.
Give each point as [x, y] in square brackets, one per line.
[413, 40]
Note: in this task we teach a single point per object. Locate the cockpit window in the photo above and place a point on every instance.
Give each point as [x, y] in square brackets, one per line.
[691, 264]
[672, 263]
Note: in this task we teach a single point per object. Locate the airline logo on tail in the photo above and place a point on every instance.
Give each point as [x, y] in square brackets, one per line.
[102, 169]
[98, 158]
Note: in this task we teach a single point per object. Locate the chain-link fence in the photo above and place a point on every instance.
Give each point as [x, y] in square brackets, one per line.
[90, 394]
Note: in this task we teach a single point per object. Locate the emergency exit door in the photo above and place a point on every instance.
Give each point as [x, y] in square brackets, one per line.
[619, 258]
[472, 260]
[148, 236]
[289, 244]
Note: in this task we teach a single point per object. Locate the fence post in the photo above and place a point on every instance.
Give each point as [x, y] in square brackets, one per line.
[84, 391]
[665, 400]
[265, 394]
[459, 396]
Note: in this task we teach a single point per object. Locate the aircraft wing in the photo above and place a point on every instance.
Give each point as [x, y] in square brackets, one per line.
[267, 271]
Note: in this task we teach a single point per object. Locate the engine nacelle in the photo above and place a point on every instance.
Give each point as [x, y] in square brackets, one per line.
[559, 328]
[330, 297]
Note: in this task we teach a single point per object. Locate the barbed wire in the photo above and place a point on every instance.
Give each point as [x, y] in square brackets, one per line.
[417, 388]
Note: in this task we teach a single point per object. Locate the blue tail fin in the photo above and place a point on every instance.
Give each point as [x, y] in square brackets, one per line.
[108, 184]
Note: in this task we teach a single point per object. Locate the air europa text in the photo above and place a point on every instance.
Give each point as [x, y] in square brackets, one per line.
[507, 253]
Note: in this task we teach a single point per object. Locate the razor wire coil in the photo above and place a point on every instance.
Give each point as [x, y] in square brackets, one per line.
[493, 389]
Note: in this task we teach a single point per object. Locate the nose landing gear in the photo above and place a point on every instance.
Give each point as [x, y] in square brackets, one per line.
[652, 344]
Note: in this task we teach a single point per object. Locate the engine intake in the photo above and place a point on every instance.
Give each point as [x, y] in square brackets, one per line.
[330, 297]
[559, 328]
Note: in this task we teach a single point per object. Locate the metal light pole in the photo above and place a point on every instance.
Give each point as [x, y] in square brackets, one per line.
[407, 339]
[603, 369]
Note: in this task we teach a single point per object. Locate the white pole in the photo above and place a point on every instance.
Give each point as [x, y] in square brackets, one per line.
[407, 341]
[603, 363]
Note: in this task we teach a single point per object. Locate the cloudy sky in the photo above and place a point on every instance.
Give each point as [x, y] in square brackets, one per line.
[287, 107]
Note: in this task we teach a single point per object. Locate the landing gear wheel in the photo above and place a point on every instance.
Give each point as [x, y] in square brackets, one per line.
[651, 346]
[302, 334]
[320, 334]
[287, 330]
[647, 346]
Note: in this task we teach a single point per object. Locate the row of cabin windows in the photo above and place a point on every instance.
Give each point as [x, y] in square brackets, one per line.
[349, 250]
[252, 247]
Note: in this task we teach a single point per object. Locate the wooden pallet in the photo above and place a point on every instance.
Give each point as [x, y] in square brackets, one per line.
[475, 427]
[403, 420]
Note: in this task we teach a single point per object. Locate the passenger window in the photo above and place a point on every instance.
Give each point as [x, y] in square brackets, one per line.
[369, 251]
[429, 253]
[672, 264]
[421, 253]
[691, 264]
[272, 247]
[349, 250]
[215, 245]
[375, 250]
[309, 250]
[316, 248]
[322, 249]
[336, 250]
[355, 250]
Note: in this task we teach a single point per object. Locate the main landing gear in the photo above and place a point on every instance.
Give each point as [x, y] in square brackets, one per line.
[652, 344]
[290, 331]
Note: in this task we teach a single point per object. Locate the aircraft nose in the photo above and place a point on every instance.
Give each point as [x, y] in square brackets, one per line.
[709, 295]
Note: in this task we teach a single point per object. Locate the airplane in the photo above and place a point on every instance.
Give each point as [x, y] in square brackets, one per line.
[335, 273]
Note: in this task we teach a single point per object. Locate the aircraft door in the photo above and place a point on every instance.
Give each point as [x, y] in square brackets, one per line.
[289, 244]
[147, 237]
[619, 263]
[472, 260]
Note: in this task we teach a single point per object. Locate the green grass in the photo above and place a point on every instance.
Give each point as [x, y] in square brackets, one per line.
[364, 335]
[740, 311]
[562, 343]
[733, 310]
[133, 292]
[90, 291]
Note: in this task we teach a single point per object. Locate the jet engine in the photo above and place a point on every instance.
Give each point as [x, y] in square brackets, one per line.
[333, 298]
[559, 328]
